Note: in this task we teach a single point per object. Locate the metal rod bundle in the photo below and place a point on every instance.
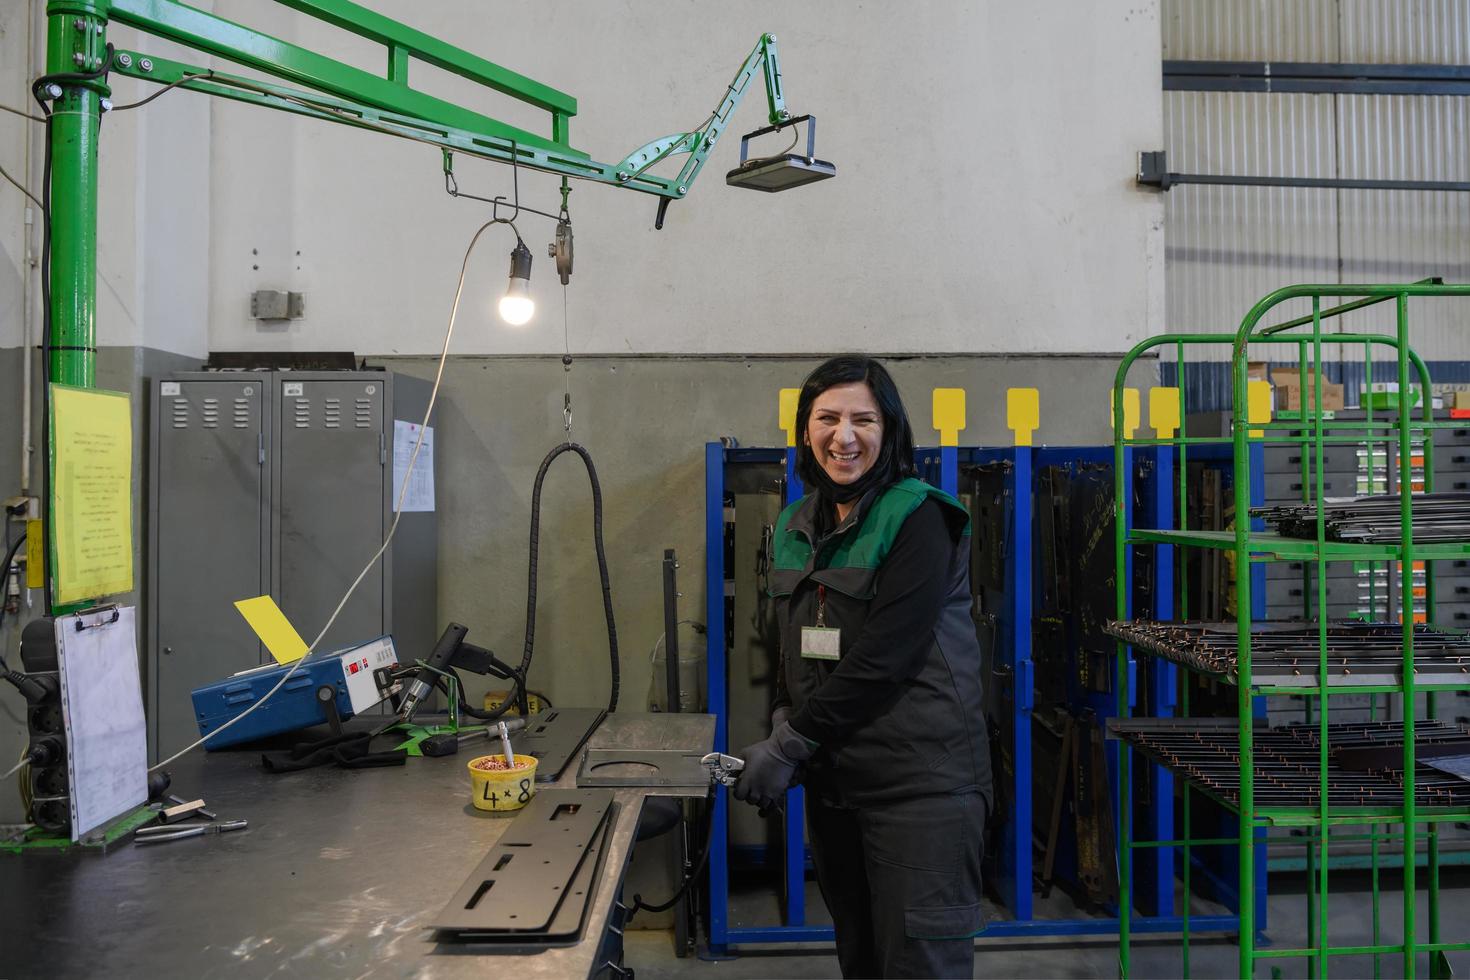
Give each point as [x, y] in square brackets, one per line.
[1438, 518]
[1287, 654]
[1206, 752]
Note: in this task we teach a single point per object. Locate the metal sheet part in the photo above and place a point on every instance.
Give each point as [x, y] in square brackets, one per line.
[520, 886]
[1206, 752]
[1457, 766]
[568, 926]
[1287, 654]
[555, 737]
[669, 768]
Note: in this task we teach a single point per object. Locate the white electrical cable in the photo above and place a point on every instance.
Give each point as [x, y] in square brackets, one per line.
[17, 767]
[393, 528]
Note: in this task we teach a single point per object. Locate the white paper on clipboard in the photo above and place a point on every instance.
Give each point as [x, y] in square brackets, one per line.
[102, 708]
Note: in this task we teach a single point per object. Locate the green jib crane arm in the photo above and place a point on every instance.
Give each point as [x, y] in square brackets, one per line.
[78, 59]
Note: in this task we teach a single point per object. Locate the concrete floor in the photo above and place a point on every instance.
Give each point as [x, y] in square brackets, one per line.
[650, 952]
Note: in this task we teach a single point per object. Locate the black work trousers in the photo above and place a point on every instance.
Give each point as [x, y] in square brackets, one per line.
[902, 881]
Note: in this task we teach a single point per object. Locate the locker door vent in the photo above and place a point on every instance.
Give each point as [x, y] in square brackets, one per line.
[363, 418]
[332, 413]
[242, 412]
[303, 413]
[210, 412]
[181, 413]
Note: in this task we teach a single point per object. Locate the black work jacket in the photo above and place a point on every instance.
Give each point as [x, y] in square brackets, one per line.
[928, 735]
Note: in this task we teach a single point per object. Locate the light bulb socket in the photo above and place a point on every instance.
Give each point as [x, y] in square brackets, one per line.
[520, 261]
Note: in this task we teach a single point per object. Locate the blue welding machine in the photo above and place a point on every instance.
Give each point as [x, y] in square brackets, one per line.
[342, 679]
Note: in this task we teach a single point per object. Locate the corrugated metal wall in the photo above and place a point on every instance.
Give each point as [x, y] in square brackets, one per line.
[1228, 246]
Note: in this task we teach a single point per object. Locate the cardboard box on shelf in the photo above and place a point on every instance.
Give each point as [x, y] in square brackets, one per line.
[1289, 392]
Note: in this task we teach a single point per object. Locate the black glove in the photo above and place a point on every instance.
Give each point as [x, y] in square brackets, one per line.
[778, 718]
[771, 764]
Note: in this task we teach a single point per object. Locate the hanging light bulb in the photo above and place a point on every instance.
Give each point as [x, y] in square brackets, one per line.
[516, 306]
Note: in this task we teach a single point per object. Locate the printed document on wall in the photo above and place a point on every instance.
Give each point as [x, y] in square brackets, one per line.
[92, 474]
[420, 496]
[102, 709]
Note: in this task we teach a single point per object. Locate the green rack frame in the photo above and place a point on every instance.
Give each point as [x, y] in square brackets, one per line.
[1306, 428]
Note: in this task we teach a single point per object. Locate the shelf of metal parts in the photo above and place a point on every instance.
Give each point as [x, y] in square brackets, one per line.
[1273, 547]
[1442, 679]
[1311, 816]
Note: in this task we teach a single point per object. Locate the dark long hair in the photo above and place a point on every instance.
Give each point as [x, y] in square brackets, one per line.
[895, 458]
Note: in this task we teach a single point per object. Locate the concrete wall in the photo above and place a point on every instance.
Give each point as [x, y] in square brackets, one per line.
[645, 421]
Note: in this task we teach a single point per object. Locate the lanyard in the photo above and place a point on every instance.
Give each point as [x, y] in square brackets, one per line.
[821, 605]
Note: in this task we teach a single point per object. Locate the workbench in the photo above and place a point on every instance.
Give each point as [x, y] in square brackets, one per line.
[338, 875]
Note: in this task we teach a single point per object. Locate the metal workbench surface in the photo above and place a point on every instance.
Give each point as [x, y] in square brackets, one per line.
[337, 876]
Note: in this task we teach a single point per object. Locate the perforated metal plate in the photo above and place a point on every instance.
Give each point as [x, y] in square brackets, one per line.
[522, 884]
[554, 738]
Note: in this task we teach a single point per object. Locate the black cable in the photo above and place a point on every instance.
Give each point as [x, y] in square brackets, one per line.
[490, 714]
[689, 879]
[612, 629]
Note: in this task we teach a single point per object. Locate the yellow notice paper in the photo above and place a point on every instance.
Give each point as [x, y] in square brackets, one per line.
[273, 628]
[92, 485]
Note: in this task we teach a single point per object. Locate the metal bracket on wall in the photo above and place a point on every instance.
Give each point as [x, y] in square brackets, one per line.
[672, 769]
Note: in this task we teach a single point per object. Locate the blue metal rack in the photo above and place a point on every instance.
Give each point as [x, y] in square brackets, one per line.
[941, 466]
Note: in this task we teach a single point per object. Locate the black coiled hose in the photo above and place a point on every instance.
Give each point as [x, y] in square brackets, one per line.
[612, 629]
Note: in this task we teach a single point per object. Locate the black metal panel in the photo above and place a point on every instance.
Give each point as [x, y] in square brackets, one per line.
[521, 886]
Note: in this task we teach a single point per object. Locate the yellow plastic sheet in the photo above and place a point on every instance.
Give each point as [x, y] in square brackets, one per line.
[273, 628]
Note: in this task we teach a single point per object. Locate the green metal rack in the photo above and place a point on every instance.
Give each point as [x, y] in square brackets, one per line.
[1409, 820]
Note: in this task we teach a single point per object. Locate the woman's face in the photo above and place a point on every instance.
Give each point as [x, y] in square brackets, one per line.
[845, 431]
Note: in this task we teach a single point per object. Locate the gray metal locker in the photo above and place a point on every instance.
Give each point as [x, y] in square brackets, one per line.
[209, 539]
[298, 501]
[330, 503]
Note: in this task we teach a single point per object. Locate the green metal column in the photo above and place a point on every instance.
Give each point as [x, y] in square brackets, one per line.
[75, 44]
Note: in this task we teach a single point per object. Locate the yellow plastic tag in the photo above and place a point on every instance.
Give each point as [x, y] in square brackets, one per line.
[1130, 410]
[949, 414]
[1023, 413]
[787, 410]
[273, 628]
[35, 563]
[1163, 411]
[1258, 406]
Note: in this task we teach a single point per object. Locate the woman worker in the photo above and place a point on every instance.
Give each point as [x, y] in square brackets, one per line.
[878, 697]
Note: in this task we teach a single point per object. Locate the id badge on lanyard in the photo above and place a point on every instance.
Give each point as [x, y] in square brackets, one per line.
[821, 642]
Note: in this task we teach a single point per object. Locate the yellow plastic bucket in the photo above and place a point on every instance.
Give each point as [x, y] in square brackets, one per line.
[503, 789]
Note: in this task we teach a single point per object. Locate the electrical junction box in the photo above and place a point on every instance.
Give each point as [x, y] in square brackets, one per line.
[280, 483]
[348, 674]
[276, 304]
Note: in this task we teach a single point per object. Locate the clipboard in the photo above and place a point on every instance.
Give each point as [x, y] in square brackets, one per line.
[102, 711]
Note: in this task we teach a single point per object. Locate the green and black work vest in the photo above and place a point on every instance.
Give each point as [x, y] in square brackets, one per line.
[932, 739]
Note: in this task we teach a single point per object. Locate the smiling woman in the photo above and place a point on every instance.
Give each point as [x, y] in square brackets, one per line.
[855, 434]
[877, 704]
